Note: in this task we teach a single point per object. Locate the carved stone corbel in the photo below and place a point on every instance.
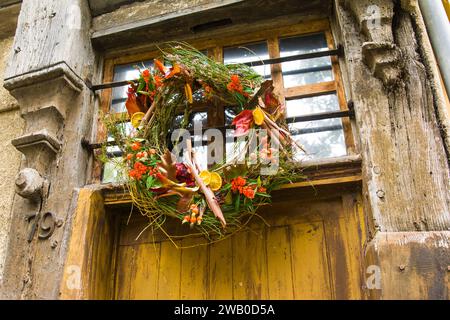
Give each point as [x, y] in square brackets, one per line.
[39, 148]
[379, 52]
[44, 97]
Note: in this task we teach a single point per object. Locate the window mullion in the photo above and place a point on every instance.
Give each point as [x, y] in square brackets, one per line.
[216, 113]
[309, 90]
[105, 105]
[276, 71]
[346, 124]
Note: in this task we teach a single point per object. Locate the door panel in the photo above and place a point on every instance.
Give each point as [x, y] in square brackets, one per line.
[312, 250]
[279, 263]
[310, 271]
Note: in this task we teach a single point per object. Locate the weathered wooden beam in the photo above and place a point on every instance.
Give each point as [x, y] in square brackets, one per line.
[176, 24]
[90, 251]
[326, 53]
[322, 172]
[405, 170]
[409, 266]
[99, 7]
[7, 3]
[47, 70]
[9, 13]
[64, 26]
[405, 165]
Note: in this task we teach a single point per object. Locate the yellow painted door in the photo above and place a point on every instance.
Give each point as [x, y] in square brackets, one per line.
[312, 250]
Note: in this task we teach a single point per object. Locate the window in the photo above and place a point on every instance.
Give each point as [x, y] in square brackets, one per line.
[308, 87]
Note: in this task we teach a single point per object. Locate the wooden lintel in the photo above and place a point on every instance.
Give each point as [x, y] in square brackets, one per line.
[173, 25]
[324, 172]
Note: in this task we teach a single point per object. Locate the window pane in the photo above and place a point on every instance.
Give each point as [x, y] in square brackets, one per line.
[201, 148]
[247, 53]
[318, 143]
[194, 117]
[121, 73]
[321, 138]
[201, 154]
[301, 72]
[305, 106]
[111, 171]
[230, 114]
[234, 150]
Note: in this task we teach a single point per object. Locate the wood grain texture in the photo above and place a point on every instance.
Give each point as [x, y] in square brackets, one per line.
[250, 279]
[405, 165]
[170, 271]
[177, 25]
[90, 256]
[413, 265]
[194, 270]
[312, 250]
[50, 32]
[221, 270]
[311, 277]
[140, 263]
[279, 263]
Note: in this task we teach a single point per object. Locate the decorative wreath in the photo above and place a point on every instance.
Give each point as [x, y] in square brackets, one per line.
[221, 200]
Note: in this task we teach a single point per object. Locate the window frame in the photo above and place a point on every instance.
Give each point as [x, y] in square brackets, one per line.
[214, 47]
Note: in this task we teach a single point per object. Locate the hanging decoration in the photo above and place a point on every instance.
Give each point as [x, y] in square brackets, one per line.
[220, 200]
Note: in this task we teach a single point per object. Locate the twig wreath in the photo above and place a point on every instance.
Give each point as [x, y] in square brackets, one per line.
[221, 200]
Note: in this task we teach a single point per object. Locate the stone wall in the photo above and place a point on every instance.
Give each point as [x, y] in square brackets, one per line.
[11, 127]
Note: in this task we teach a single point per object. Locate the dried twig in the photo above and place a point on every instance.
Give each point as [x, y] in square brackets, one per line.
[209, 195]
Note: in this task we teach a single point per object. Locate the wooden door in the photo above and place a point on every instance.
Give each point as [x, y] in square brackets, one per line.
[312, 250]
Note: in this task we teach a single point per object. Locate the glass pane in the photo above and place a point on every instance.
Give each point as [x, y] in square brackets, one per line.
[198, 118]
[249, 52]
[194, 117]
[320, 139]
[111, 171]
[230, 114]
[301, 72]
[234, 151]
[201, 156]
[121, 73]
[200, 150]
[305, 106]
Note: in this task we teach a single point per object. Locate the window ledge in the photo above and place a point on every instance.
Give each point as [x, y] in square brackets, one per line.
[323, 172]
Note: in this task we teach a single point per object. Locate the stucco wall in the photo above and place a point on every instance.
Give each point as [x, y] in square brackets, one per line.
[11, 126]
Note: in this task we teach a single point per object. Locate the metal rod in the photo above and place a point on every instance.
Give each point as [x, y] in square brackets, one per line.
[303, 56]
[310, 117]
[321, 116]
[295, 132]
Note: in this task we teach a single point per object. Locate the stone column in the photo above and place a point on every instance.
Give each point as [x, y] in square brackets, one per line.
[405, 161]
[51, 63]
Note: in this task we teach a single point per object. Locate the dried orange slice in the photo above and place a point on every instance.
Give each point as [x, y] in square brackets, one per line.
[216, 181]
[206, 176]
[136, 119]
